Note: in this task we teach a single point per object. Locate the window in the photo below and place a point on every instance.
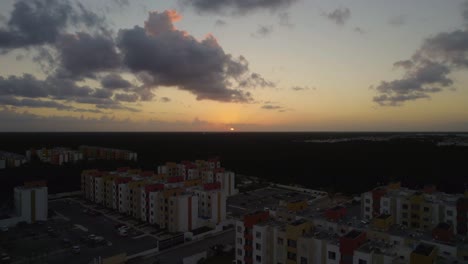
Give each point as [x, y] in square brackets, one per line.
[415, 207]
[361, 261]
[303, 260]
[280, 241]
[292, 243]
[385, 203]
[291, 256]
[257, 246]
[258, 258]
[331, 255]
[426, 209]
[367, 209]
[404, 215]
[239, 252]
[239, 240]
[367, 200]
[405, 206]
[449, 213]
[258, 235]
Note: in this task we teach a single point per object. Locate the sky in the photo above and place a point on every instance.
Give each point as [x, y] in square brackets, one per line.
[259, 65]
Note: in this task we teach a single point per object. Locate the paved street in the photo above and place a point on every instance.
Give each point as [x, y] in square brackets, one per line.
[175, 255]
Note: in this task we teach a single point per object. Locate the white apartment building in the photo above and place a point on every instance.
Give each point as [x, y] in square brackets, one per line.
[183, 213]
[227, 180]
[31, 203]
[212, 205]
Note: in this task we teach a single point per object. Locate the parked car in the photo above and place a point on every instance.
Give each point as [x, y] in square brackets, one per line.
[4, 228]
[76, 249]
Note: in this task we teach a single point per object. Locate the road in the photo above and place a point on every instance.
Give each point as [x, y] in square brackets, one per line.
[175, 255]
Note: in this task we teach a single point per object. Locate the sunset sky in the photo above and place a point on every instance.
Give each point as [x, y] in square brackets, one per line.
[202, 65]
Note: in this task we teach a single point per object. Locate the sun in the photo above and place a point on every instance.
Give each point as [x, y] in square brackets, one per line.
[232, 129]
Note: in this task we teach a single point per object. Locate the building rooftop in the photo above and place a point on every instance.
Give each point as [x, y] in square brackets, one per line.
[353, 234]
[424, 249]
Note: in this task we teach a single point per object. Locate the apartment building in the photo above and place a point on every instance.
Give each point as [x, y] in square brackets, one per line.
[415, 209]
[11, 160]
[245, 237]
[30, 204]
[211, 203]
[183, 213]
[101, 153]
[174, 197]
[55, 156]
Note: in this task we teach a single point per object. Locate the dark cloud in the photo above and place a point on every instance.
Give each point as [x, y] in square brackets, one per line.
[35, 103]
[32, 103]
[262, 31]
[38, 22]
[398, 21]
[429, 69]
[125, 97]
[115, 81]
[419, 82]
[82, 54]
[220, 23]
[117, 106]
[237, 7]
[122, 3]
[340, 16]
[165, 99]
[405, 64]
[170, 57]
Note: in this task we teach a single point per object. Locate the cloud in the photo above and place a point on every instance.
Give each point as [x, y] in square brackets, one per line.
[271, 107]
[237, 7]
[340, 16]
[220, 23]
[398, 21]
[82, 54]
[170, 57]
[34, 103]
[420, 81]
[125, 97]
[301, 88]
[262, 31]
[165, 99]
[38, 22]
[114, 81]
[428, 71]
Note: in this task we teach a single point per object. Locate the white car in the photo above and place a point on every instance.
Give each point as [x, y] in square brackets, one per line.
[4, 228]
[76, 249]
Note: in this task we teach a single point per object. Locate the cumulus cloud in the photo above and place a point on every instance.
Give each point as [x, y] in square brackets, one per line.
[237, 7]
[38, 22]
[171, 57]
[115, 81]
[428, 71]
[82, 54]
[262, 31]
[340, 16]
[127, 97]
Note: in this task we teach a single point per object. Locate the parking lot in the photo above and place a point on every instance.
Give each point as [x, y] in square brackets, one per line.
[53, 241]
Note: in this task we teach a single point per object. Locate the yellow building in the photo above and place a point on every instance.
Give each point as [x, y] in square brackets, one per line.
[382, 222]
[294, 231]
[424, 254]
